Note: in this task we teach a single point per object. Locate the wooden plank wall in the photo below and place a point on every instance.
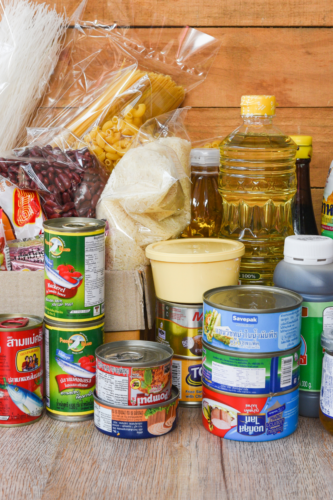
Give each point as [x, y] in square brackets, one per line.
[282, 48]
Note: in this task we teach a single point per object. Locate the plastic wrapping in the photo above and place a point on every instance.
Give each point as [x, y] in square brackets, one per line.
[68, 181]
[27, 254]
[147, 197]
[4, 252]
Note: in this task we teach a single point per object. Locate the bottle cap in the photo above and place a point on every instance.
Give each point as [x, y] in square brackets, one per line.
[263, 105]
[309, 250]
[205, 157]
[304, 143]
[327, 339]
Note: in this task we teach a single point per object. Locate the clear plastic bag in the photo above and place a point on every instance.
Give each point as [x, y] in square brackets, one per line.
[147, 197]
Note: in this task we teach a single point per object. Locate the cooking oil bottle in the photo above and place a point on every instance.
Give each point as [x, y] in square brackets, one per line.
[257, 182]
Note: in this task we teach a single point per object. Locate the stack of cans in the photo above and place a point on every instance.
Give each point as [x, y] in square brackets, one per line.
[74, 314]
[180, 327]
[134, 397]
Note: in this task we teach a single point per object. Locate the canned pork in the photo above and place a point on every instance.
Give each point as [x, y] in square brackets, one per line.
[133, 373]
[180, 327]
[127, 422]
[21, 369]
[250, 418]
[70, 366]
[74, 269]
[252, 318]
[186, 376]
[243, 373]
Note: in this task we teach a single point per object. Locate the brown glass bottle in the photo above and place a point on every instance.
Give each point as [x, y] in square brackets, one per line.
[206, 201]
[303, 215]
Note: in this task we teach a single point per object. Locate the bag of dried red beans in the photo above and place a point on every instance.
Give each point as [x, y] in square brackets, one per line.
[69, 181]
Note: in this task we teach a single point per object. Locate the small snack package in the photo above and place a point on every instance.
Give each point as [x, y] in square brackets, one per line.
[4, 251]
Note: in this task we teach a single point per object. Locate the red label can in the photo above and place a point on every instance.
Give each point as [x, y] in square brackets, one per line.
[21, 369]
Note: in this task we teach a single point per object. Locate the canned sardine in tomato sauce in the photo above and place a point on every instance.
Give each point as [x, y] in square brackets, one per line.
[180, 327]
[130, 422]
[74, 269]
[21, 369]
[133, 373]
[252, 318]
[70, 367]
[243, 373]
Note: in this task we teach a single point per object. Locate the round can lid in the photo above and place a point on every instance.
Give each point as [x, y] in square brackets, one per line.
[135, 353]
[195, 250]
[205, 157]
[327, 340]
[253, 299]
[18, 322]
[308, 250]
[73, 225]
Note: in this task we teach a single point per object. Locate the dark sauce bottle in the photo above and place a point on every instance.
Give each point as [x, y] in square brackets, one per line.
[303, 215]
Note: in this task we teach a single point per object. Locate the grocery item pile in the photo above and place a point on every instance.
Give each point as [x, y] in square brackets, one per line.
[100, 174]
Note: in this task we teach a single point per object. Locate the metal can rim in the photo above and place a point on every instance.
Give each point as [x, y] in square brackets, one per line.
[279, 290]
[173, 399]
[180, 304]
[252, 396]
[188, 358]
[250, 355]
[132, 344]
[20, 315]
[74, 326]
[88, 225]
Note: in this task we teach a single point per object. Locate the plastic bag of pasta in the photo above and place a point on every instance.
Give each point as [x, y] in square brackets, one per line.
[147, 197]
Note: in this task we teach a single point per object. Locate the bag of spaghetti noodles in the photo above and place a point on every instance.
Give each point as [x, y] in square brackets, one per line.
[147, 197]
[111, 80]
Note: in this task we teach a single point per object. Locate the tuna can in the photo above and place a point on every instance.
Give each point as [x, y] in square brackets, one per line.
[250, 418]
[133, 373]
[186, 376]
[252, 318]
[242, 373]
[21, 369]
[180, 327]
[70, 366]
[127, 422]
[74, 269]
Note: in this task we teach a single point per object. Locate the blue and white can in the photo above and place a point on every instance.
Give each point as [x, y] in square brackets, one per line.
[252, 318]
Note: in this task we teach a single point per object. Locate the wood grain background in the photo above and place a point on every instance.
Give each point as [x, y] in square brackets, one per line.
[282, 48]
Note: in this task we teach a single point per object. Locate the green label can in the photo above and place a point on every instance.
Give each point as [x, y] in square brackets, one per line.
[74, 269]
[70, 366]
[316, 316]
[180, 327]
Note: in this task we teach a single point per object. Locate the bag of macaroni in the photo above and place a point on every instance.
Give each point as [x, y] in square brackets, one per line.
[21, 369]
[250, 418]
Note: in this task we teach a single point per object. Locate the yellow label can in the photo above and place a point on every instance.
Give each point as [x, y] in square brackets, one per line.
[186, 376]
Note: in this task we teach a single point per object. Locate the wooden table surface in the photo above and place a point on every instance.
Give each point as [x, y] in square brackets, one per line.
[53, 460]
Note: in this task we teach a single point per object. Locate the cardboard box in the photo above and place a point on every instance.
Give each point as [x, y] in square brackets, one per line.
[129, 297]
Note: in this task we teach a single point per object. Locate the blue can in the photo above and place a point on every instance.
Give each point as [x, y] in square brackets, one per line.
[137, 422]
[252, 318]
[250, 418]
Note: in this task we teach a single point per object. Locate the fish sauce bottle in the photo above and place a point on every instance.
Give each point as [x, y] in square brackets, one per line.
[307, 269]
[257, 182]
[326, 393]
[303, 215]
[206, 201]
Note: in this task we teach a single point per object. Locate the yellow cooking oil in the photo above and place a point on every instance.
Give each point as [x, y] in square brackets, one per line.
[257, 182]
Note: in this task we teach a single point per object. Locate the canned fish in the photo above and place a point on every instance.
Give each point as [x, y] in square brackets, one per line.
[133, 373]
[127, 422]
[242, 373]
[74, 269]
[186, 376]
[252, 318]
[180, 327]
[21, 369]
[250, 418]
[70, 366]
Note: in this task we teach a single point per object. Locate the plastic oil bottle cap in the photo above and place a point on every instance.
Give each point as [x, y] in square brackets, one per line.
[262, 105]
[205, 157]
[304, 143]
[327, 340]
[308, 250]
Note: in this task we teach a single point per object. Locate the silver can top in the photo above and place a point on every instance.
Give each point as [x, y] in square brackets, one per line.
[73, 225]
[135, 353]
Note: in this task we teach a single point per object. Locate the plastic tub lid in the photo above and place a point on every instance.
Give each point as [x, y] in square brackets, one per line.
[195, 250]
